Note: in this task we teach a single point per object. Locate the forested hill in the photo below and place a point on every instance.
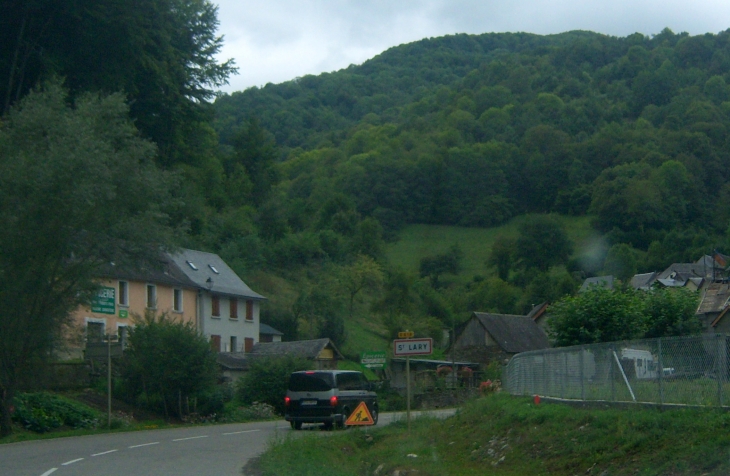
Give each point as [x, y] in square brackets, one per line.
[474, 129]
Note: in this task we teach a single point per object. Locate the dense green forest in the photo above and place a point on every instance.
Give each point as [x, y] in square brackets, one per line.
[475, 130]
[305, 187]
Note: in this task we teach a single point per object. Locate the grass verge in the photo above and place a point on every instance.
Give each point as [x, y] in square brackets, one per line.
[503, 435]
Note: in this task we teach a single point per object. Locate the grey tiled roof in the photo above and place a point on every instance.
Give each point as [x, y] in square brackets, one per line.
[514, 333]
[212, 273]
[308, 349]
[643, 281]
[715, 298]
[603, 281]
[161, 271]
[268, 330]
[232, 360]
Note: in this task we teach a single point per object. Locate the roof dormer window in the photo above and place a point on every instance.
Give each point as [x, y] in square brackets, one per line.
[192, 265]
[213, 269]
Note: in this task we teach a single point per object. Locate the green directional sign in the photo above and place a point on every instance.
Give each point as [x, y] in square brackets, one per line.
[105, 301]
[373, 359]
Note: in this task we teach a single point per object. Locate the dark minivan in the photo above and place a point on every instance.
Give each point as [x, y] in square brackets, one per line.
[328, 397]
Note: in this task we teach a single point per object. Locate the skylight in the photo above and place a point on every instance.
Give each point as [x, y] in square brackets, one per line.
[213, 268]
[190, 263]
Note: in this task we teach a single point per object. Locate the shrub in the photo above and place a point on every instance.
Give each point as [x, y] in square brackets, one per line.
[41, 412]
[168, 362]
[267, 379]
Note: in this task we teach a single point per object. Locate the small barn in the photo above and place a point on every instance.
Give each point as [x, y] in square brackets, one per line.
[321, 352]
[488, 337]
[269, 334]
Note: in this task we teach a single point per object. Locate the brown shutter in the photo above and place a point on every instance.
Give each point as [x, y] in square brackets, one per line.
[215, 343]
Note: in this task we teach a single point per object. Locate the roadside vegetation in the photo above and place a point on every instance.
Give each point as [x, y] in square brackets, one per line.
[504, 435]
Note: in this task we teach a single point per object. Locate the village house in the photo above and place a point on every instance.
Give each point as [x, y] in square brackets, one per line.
[497, 337]
[192, 286]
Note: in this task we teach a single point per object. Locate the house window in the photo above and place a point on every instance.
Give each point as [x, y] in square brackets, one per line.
[249, 310]
[151, 296]
[234, 344]
[216, 306]
[234, 308]
[123, 293]
[215, 343]
[247, 344]
[95, 330]
[122, 334]
[177, 300]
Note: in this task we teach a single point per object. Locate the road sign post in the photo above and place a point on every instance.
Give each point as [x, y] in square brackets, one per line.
[407, 347]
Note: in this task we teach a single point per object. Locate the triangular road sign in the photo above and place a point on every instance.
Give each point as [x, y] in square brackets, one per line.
[361, 416]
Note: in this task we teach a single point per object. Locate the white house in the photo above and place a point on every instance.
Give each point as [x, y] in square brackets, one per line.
[227, 309]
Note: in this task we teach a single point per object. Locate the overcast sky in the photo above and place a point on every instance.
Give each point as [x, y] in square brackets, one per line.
[273, 41]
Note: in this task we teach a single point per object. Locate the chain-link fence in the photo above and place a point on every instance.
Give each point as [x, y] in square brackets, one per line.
[675, 370]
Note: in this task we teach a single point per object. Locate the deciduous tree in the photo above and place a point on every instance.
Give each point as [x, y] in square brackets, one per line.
[78, 190]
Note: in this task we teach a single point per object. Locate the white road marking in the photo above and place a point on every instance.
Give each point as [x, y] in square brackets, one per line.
[145, 444]
[239, 432]
[71, 462]
[191, 438]
[49, 471]
[105, 453]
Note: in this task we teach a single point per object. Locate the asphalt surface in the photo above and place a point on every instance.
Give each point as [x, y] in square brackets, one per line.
[194, 451]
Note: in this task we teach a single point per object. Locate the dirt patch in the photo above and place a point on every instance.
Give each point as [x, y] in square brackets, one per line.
[252, 468]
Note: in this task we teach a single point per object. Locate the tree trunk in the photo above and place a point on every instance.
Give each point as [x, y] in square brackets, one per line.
[6, 398]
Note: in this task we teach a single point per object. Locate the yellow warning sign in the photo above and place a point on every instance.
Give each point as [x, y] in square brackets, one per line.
[361, 416]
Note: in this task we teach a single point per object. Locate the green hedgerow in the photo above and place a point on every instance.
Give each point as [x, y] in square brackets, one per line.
[41, 412]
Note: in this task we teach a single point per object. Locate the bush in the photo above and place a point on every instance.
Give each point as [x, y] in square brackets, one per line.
[253, 412]
[41, 412]
[168, 362]
[212, 402]
[267, 379]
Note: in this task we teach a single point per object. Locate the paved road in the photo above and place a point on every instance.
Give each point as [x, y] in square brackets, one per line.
[194, 451]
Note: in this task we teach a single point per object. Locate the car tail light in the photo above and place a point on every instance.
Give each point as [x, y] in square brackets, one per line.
[333, 401]
[287, 401]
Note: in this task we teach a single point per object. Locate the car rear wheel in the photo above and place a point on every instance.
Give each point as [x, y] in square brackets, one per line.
[374, 414]
[345, 415]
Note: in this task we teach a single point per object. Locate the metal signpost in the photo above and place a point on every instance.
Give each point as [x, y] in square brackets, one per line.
[408, 346]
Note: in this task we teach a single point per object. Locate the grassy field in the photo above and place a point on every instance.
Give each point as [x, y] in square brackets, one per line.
[503, 435]
[418, 241]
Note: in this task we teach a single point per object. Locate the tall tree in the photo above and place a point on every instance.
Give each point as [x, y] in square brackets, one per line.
[597, 315]
[542, 243]
[364, 273]
[436, 265]
[160, 53]
[255, 151]
[78, 189]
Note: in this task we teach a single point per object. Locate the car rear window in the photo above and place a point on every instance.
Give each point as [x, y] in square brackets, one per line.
[311, 382]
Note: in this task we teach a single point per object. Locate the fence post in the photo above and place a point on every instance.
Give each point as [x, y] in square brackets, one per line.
[661, 372]
[582, 385]
[544, 374]
[565, 374]
[720, 366]
[610, 361]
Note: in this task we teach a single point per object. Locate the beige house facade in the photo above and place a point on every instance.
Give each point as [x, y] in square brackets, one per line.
[191, 286]
[132, 298]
